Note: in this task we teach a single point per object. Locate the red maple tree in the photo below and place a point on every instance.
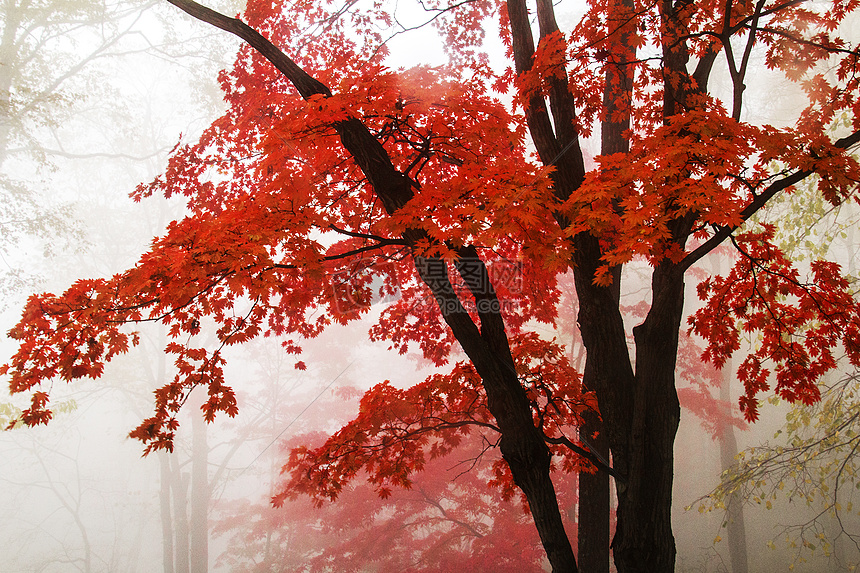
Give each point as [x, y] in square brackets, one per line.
[421, 180]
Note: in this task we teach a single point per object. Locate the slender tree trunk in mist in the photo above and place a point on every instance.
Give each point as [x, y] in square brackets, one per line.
[166, 515]
[186, 542]
[7, 55]
[179, 486]
[199, 496]
[736, 536]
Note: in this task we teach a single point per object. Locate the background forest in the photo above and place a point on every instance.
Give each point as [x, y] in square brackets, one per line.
[93, 98]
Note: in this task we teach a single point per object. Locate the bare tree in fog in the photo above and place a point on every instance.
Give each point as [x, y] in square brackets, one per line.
[46, 48]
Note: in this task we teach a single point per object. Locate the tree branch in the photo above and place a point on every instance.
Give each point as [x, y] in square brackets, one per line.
[377, 238]
[344, 255]
[587, 454]
[392, 187]
[756, 205]
[304, 83]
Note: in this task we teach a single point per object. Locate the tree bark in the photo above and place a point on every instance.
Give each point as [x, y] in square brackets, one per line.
[594, 499]
[593, 524]
[522, 445]
[643, 540]
[640, 411]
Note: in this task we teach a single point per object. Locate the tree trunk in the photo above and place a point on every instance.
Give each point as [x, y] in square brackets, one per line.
[522, 444]
[593, 523]
[11, 15]
[643, 540]
[594, 498]
[166, 516]
[179, 485]
[199, 495]
[640, 412]
[736, 536]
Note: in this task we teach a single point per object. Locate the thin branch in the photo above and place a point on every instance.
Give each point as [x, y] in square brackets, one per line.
[587, 454]
[758, 202]
[69, 155]
[304, 83]
[809, 43]
[345, 255]
[377, 238]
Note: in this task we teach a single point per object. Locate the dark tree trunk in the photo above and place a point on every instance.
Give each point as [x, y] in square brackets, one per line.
[594, 498]
[522, 444]
[593, 523]
[643, 540]
[640, 412]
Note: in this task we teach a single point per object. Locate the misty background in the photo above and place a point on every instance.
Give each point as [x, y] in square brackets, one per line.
[95, 95]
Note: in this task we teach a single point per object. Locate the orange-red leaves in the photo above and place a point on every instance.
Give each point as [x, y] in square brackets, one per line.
[37, 413]
[800, 322]
[67, 337]
[449, 521]
[397, 431]
[284, 234]
[549, 62]
[688, 167]
[389, 437]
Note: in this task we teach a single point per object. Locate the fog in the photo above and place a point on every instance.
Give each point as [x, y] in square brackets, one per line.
[113, 88]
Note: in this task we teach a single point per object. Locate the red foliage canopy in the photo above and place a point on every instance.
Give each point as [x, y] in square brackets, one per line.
[420, 180]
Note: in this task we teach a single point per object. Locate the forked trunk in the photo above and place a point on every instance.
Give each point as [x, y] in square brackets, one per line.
[640, 411]
[643, 540]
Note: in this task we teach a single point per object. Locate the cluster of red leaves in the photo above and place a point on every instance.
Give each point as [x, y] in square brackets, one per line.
[689, 166]
[797, 325]
[284, 235]
[49, 351]
[398, 431]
